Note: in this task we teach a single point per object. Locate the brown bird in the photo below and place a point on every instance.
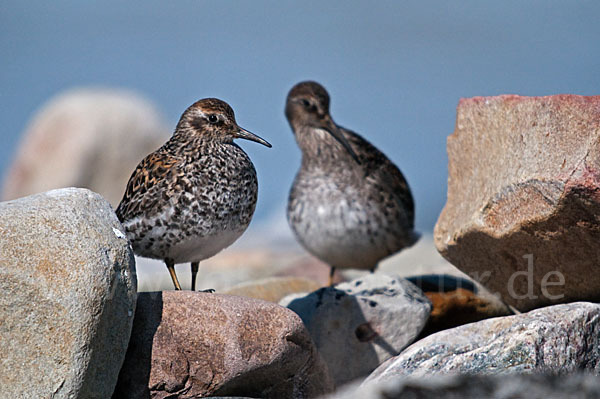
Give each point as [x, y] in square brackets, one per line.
[196, 194]
[349, 205]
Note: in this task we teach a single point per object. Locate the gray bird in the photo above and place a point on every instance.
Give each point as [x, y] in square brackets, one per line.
[196, 194]
[349, 205]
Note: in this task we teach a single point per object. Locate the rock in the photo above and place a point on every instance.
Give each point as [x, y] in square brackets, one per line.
[67, 277]
[358, 325]
[524, 197]
[456, 301]
[308, 267]
[227, 269]
[500, 386]
[555, 339]
[92, 138]
[273, 289]
[190, 344]
[458, 307]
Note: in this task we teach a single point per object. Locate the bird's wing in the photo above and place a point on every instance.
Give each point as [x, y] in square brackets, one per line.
[378, 166]
[147, 185]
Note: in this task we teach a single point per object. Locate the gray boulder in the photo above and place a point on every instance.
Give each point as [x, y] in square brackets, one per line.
[556, 339]
[470, 386]
[67, 277]
[358, 325]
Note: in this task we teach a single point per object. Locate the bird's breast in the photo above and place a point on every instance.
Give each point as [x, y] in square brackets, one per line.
[324, 203]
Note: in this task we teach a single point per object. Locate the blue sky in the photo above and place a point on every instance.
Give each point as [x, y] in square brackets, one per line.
[395, 69]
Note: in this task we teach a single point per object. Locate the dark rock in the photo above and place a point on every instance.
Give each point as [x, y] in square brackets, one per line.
[456, 301]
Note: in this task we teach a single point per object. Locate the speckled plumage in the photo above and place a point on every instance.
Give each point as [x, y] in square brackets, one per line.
[196, 194]
[349, 205]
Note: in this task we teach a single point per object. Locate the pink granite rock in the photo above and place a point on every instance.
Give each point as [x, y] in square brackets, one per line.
[523, 209]
[192, 344]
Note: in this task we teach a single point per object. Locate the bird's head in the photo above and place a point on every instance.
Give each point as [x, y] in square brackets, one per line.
[212, 119]
[307, 109]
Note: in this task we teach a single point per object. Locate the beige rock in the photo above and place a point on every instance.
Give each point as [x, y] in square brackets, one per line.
[273, 289]
[91, 138]
[522, 215]
[191, 344]
[308, 267]
[227, 269]
[67, 278]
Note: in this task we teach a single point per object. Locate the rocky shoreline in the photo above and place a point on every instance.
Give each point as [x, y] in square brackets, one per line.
[519, 318]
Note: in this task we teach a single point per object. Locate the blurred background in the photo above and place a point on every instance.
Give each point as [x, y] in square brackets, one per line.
[395, 72]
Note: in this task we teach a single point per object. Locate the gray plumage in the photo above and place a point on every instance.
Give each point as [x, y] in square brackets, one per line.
[196, 194]
[349, 205]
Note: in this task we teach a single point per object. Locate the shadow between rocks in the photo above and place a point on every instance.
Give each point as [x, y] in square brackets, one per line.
[456, 301]
[442, 283]
[135, 372]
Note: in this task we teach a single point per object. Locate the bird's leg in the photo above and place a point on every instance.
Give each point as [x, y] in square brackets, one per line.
[194, 274]
[331, 273]
[171, 266]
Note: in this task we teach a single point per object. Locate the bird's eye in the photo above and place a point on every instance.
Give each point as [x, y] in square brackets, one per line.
[306, 103]
[212, 118]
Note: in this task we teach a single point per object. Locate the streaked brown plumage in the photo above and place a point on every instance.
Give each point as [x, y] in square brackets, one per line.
[349, 205]
[196, 194]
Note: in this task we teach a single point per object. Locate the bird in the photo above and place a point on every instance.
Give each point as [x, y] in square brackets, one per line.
[196, 194]
[349, 205]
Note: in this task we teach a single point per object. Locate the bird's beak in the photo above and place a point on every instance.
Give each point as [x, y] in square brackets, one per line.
[330, 127]
[244, 134]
